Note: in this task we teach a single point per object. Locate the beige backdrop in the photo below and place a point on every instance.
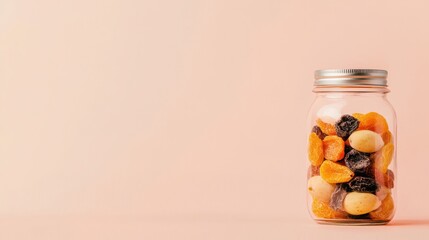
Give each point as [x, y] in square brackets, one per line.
[191, 109]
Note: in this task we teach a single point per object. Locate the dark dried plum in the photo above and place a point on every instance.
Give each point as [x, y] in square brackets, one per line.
[357, 161]
[347, 149]
[316, 129]
[346, 187]
[337, 198]
[363, 184]
[363, 216]
[346, 125]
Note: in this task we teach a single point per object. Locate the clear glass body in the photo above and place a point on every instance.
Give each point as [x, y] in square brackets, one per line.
[351, 137]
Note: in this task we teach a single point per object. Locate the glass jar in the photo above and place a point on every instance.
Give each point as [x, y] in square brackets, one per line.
[351, 148]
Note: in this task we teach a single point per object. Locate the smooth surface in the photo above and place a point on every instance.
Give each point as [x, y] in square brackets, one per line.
[192, 110]
[202, 228]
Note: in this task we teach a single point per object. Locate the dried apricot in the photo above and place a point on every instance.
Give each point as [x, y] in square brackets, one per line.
[387, 137]
[327, 128]
[372, 121]
[315, 149]
[323, 210]
[358, 116]
[385, 211]
[385, 179]
[383, 158]
[316, 129]
[333, 148]
[335, 173]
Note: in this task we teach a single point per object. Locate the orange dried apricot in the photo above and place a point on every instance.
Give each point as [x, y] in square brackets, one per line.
[372, 121]
[358, 116]
[387, 137]
[333, 148]
[315, 149]
[383, 158]
[335, 173]
[327, 128]
[385, 211]
[323, 210]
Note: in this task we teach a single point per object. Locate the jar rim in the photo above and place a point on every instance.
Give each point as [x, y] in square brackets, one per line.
[350, 77]
[351, 89]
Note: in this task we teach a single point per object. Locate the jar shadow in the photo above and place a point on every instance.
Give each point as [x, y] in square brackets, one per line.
[410, 222]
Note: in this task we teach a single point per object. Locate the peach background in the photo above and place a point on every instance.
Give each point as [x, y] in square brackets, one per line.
[185, 119]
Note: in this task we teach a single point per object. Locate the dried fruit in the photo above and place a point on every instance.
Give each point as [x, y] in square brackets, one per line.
[345, 186]
[387, 137]
[335, 173]
[322, 210]
[357, 161]
[383, 158]
[333, 148]
[379, 177]
[326, 128]
[385, 211]
[316, 129]
[372, 121]
[358, 116]
[315, 149]
[366, 141]
[347, 148]
[320, 189]
[363, 216]
[312, 171]
[363, 184]
[382, 192]
[346, 125]
[389, 179]
[337, 198]
[358, 203]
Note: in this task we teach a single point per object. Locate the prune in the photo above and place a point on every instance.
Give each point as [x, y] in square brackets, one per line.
[337, 198]
[345, 187]
[316, 129]
[347, 149]
[363, 216]
[363, 184]
[357, 161]
[346, 125]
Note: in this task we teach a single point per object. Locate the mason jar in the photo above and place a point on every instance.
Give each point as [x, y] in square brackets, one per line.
[351, 148]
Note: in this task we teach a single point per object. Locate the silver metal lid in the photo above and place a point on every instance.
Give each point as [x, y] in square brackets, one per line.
[350, 77]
